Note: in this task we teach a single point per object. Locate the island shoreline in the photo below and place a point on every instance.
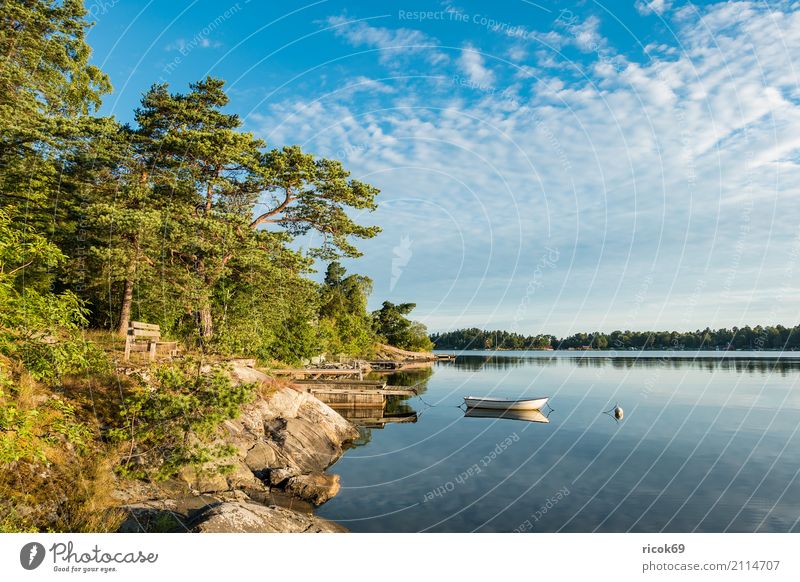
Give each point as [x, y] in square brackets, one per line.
[284, 443]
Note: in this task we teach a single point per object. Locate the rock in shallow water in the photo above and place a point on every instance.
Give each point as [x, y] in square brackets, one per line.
[314, 487]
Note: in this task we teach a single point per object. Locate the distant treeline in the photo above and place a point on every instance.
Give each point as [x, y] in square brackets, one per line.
[744, 338]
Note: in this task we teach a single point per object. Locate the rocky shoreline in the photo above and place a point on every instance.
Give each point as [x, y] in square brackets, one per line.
[283, 444]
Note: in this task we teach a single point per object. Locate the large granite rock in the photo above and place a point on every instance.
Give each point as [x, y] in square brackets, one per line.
[283, 442]
[222, 513]
[288, 435]
[244, 372]
[243, 517]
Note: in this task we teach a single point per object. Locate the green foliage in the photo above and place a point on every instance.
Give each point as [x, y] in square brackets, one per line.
[47, 87]
[65, 423]
[13, 522]
[301, 339]
[19, 434]
[181, 219]
[479, 339]
[394, 328]
[267, 309]
[174, 199]
[344, 320]
[165, 421]
[209, 171]
[45, 59]
[302, 193]
[40, 329]
[30, 433]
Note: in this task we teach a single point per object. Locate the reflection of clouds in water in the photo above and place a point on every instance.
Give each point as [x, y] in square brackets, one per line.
[674, 456]
[730, 381]
[757, 365]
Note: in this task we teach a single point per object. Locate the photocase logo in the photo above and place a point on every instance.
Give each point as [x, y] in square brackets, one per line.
[31, 555]
[402, 255]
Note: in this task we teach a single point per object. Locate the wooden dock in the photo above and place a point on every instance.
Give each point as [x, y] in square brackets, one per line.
[340, 383]
[387, 391]
[315, 373]
[390, 366]
[352, 393]
[381, 366]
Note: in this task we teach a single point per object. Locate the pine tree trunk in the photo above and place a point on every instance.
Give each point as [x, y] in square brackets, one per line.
[206, 323]
[125, 312]
[127, 295]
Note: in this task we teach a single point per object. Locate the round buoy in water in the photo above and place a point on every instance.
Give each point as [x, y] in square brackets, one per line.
[619, 413]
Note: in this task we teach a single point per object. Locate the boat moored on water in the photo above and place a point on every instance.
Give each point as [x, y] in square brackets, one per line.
[505, 403]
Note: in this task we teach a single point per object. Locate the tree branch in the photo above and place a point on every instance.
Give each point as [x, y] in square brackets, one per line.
[12, 271]
[280, 208]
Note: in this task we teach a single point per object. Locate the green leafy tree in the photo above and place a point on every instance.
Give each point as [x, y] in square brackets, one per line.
[47, 89]
[303, 193]
[39, 329]
[121, 219]
[345, 320]
[210, 171]
[160, 418]
[46, 81]
[394, 328]
[267, 307]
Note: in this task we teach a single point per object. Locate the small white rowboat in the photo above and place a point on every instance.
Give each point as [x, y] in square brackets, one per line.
[505, 403]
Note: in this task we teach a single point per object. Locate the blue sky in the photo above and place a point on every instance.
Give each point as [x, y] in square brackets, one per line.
[545, 167]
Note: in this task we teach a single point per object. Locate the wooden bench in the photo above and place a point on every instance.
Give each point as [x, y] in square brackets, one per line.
[144, 337]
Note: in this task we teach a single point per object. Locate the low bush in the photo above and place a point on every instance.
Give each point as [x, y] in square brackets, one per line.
[166, 421]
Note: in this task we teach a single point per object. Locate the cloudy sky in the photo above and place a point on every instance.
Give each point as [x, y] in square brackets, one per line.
[545, 167]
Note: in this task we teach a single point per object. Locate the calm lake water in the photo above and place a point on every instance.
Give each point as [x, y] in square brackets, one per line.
[708, 444]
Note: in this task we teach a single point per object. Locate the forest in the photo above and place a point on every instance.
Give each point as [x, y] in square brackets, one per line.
[180, 218]
[745, 338]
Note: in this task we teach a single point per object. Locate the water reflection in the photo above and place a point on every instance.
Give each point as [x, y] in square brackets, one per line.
[707, 361]
[707, 444]
[378, 416]
[367, 418]
[476, 363]
[524, 415]
[416, 377]
[393, 410]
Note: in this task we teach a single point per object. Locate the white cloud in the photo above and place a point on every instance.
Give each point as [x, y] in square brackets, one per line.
[682, 169]
[655, 6]
[184, 46]
[471, 64]
[362, 83]
[587, 35]
[176, 45]
[517, 52]
[393, 43]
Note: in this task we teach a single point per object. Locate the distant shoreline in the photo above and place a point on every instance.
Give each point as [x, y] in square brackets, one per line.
[758, 338]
